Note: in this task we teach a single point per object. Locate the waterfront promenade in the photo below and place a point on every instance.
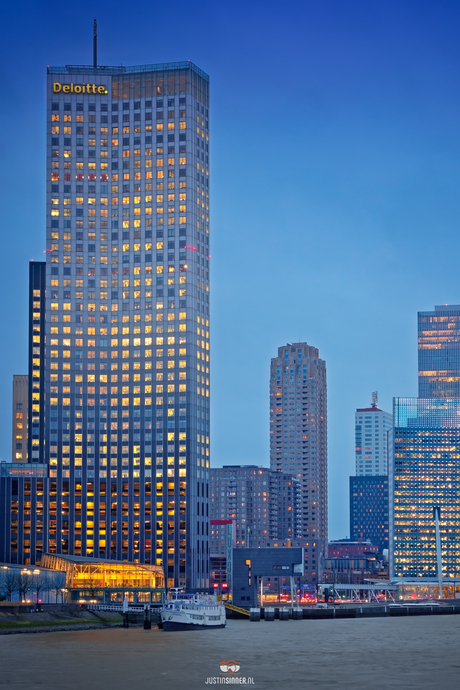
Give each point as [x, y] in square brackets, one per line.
[411, 653]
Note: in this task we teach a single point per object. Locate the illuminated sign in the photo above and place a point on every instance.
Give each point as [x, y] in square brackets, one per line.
[78, 88]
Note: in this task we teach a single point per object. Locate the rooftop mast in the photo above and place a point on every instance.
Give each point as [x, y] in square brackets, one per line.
[95, 44]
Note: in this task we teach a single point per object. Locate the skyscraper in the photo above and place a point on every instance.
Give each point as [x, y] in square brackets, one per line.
[298, 429]
[439, 352]
[369, 488]
[424, 475]
[371, 435]
[126, 372]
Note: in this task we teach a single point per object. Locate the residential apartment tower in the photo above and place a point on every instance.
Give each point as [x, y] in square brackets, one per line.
[298, 431]
[372, 427]
[264, 505]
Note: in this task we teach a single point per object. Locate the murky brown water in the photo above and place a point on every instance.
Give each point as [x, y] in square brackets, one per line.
[364, 654]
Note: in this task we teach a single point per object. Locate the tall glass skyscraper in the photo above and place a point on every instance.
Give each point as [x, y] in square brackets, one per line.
[127, 365]
[424, 475]
[439, 352]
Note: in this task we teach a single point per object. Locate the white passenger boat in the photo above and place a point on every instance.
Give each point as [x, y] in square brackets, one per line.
[192, 612]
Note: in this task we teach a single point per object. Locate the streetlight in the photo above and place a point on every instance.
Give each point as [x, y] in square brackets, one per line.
[453, 547]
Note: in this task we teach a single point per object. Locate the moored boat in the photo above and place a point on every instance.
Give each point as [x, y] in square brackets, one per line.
[192, 612]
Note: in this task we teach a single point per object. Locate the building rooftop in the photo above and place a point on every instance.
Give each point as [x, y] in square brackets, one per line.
[122, 69]
[106, 561]
[350, 542]
[23, 469]
[447, 307]
[232, 467]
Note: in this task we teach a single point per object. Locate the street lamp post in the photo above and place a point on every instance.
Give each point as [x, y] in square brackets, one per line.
[437, 517]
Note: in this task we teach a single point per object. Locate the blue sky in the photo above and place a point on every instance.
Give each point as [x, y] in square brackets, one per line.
[335, 189]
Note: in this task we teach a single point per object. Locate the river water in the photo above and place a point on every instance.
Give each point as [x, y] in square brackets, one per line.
[364, 654]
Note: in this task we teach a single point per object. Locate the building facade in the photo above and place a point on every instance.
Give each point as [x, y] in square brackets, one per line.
[106, 582]
[223, 540]
[251, 566]
[369, 510]
[424, 475]
[20, 418]
[439, 352]
[38, 585]
[372, 427]
[349, 548]
[37, 307]
[25, 512]
[298, 429]
[354, 570]
[264, 505]
[124, 402]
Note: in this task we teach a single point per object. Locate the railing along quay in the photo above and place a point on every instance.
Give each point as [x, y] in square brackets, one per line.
[343, 611]
[237, 609]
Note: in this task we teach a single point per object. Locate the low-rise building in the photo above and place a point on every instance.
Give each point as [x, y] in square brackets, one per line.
[348, 548]
[252, 566]
[93, 579]
[35, 585]
[354, 569]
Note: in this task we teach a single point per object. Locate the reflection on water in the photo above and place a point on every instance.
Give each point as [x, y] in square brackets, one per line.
[370, 654]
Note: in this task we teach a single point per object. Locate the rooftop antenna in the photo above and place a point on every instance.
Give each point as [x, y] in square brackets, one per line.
[375, 397]
[95, 44]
